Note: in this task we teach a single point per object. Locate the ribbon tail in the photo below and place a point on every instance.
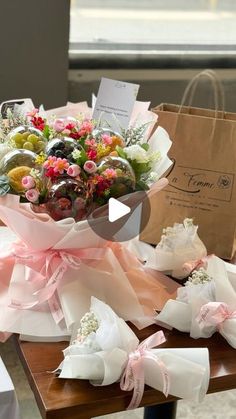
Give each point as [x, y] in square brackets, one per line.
[139, 384]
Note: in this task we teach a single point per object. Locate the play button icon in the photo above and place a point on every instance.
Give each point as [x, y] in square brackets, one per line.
[121, 219]
[117, 210]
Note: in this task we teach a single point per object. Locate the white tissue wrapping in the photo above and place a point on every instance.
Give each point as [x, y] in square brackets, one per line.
[182, 313]
[170, 255]
[188, 368]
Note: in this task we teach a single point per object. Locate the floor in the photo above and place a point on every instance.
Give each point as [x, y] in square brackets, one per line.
[217, 406]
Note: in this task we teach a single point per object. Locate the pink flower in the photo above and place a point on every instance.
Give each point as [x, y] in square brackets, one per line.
[50, 162]
[70, 126]
[92, 154]
[66, 132]
[59, 125]
[91, 143]
[73, 170]
[32, 113]
[109, 173]
[86, 128]
[106, 139]
[28, 182]
[60, 165]
[32, 195]
[90, 166]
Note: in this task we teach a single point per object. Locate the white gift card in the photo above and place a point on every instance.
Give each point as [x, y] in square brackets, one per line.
[115, 103]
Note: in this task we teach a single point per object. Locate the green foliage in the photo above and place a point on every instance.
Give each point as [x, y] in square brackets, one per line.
[145, 146]
[82, 159]
[141, 186]
[121, 152]
[135, 135]
[46, 131]
[139, 168]
[4, 185]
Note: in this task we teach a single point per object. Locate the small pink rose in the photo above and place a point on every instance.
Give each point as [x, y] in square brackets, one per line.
[73, 170]
[90, 166]
[59, 125]
[28, 182]
[32, 195]
[109, 173]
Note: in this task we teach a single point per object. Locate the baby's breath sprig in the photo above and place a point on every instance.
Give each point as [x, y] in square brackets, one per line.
[12, 121]
[171, 232]
[134, 135]
[188, 222]
[88, 324]
[198, 277]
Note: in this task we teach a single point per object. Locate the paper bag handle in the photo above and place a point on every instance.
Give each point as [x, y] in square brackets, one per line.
[218, 91]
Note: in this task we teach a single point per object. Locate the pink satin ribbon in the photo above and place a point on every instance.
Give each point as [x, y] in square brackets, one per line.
[133, 377]
[55, 264]
[214, 314]
[191, 265]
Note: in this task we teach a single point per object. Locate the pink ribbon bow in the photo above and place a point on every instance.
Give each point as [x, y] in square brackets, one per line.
[214, 314]
[54, 264]
[133, 377]
[191, 265]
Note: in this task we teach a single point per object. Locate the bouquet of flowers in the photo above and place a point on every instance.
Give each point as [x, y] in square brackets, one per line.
[106, 350]
[68, 167]
[54, 172]
[206, 304]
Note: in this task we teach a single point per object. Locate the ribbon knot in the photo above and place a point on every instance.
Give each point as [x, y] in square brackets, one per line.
[214, 314]
[133, 377]
[192, 265]
[47, 268]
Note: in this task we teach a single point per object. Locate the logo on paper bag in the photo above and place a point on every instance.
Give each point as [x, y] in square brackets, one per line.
[224, 182]
[204, 183]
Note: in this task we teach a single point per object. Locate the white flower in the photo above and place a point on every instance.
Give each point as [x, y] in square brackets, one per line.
[35, 173]
[198, 277]
[155, 156]
[89, 324]
[136, 152]
[151, 178]
[76, 154]
[188, 222]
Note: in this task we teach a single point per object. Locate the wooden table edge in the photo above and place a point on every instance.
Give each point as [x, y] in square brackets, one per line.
[151, 396]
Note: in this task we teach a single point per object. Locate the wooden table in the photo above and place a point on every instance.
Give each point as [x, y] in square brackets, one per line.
[77, 399]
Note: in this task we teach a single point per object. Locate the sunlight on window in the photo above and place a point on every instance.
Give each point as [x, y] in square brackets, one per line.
[175, 22]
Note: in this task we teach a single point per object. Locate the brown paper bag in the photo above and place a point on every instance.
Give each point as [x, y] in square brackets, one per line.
[202, 183]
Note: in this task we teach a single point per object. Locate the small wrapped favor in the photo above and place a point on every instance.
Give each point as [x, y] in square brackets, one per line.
[106, 350]
[179, 244]
[206, 304]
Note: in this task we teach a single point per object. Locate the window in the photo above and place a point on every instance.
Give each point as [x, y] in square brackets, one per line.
[147, 26]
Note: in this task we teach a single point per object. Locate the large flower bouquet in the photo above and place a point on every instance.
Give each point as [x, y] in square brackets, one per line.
[67, 167]
[54, 173]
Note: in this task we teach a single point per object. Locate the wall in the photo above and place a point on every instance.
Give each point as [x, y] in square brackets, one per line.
[34, 50]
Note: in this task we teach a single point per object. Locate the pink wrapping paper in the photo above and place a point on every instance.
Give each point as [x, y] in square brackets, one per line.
[119, 279]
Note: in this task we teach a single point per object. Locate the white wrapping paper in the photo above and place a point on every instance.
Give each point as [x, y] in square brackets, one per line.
[188, 368]
[190, 311]
[180, 244]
